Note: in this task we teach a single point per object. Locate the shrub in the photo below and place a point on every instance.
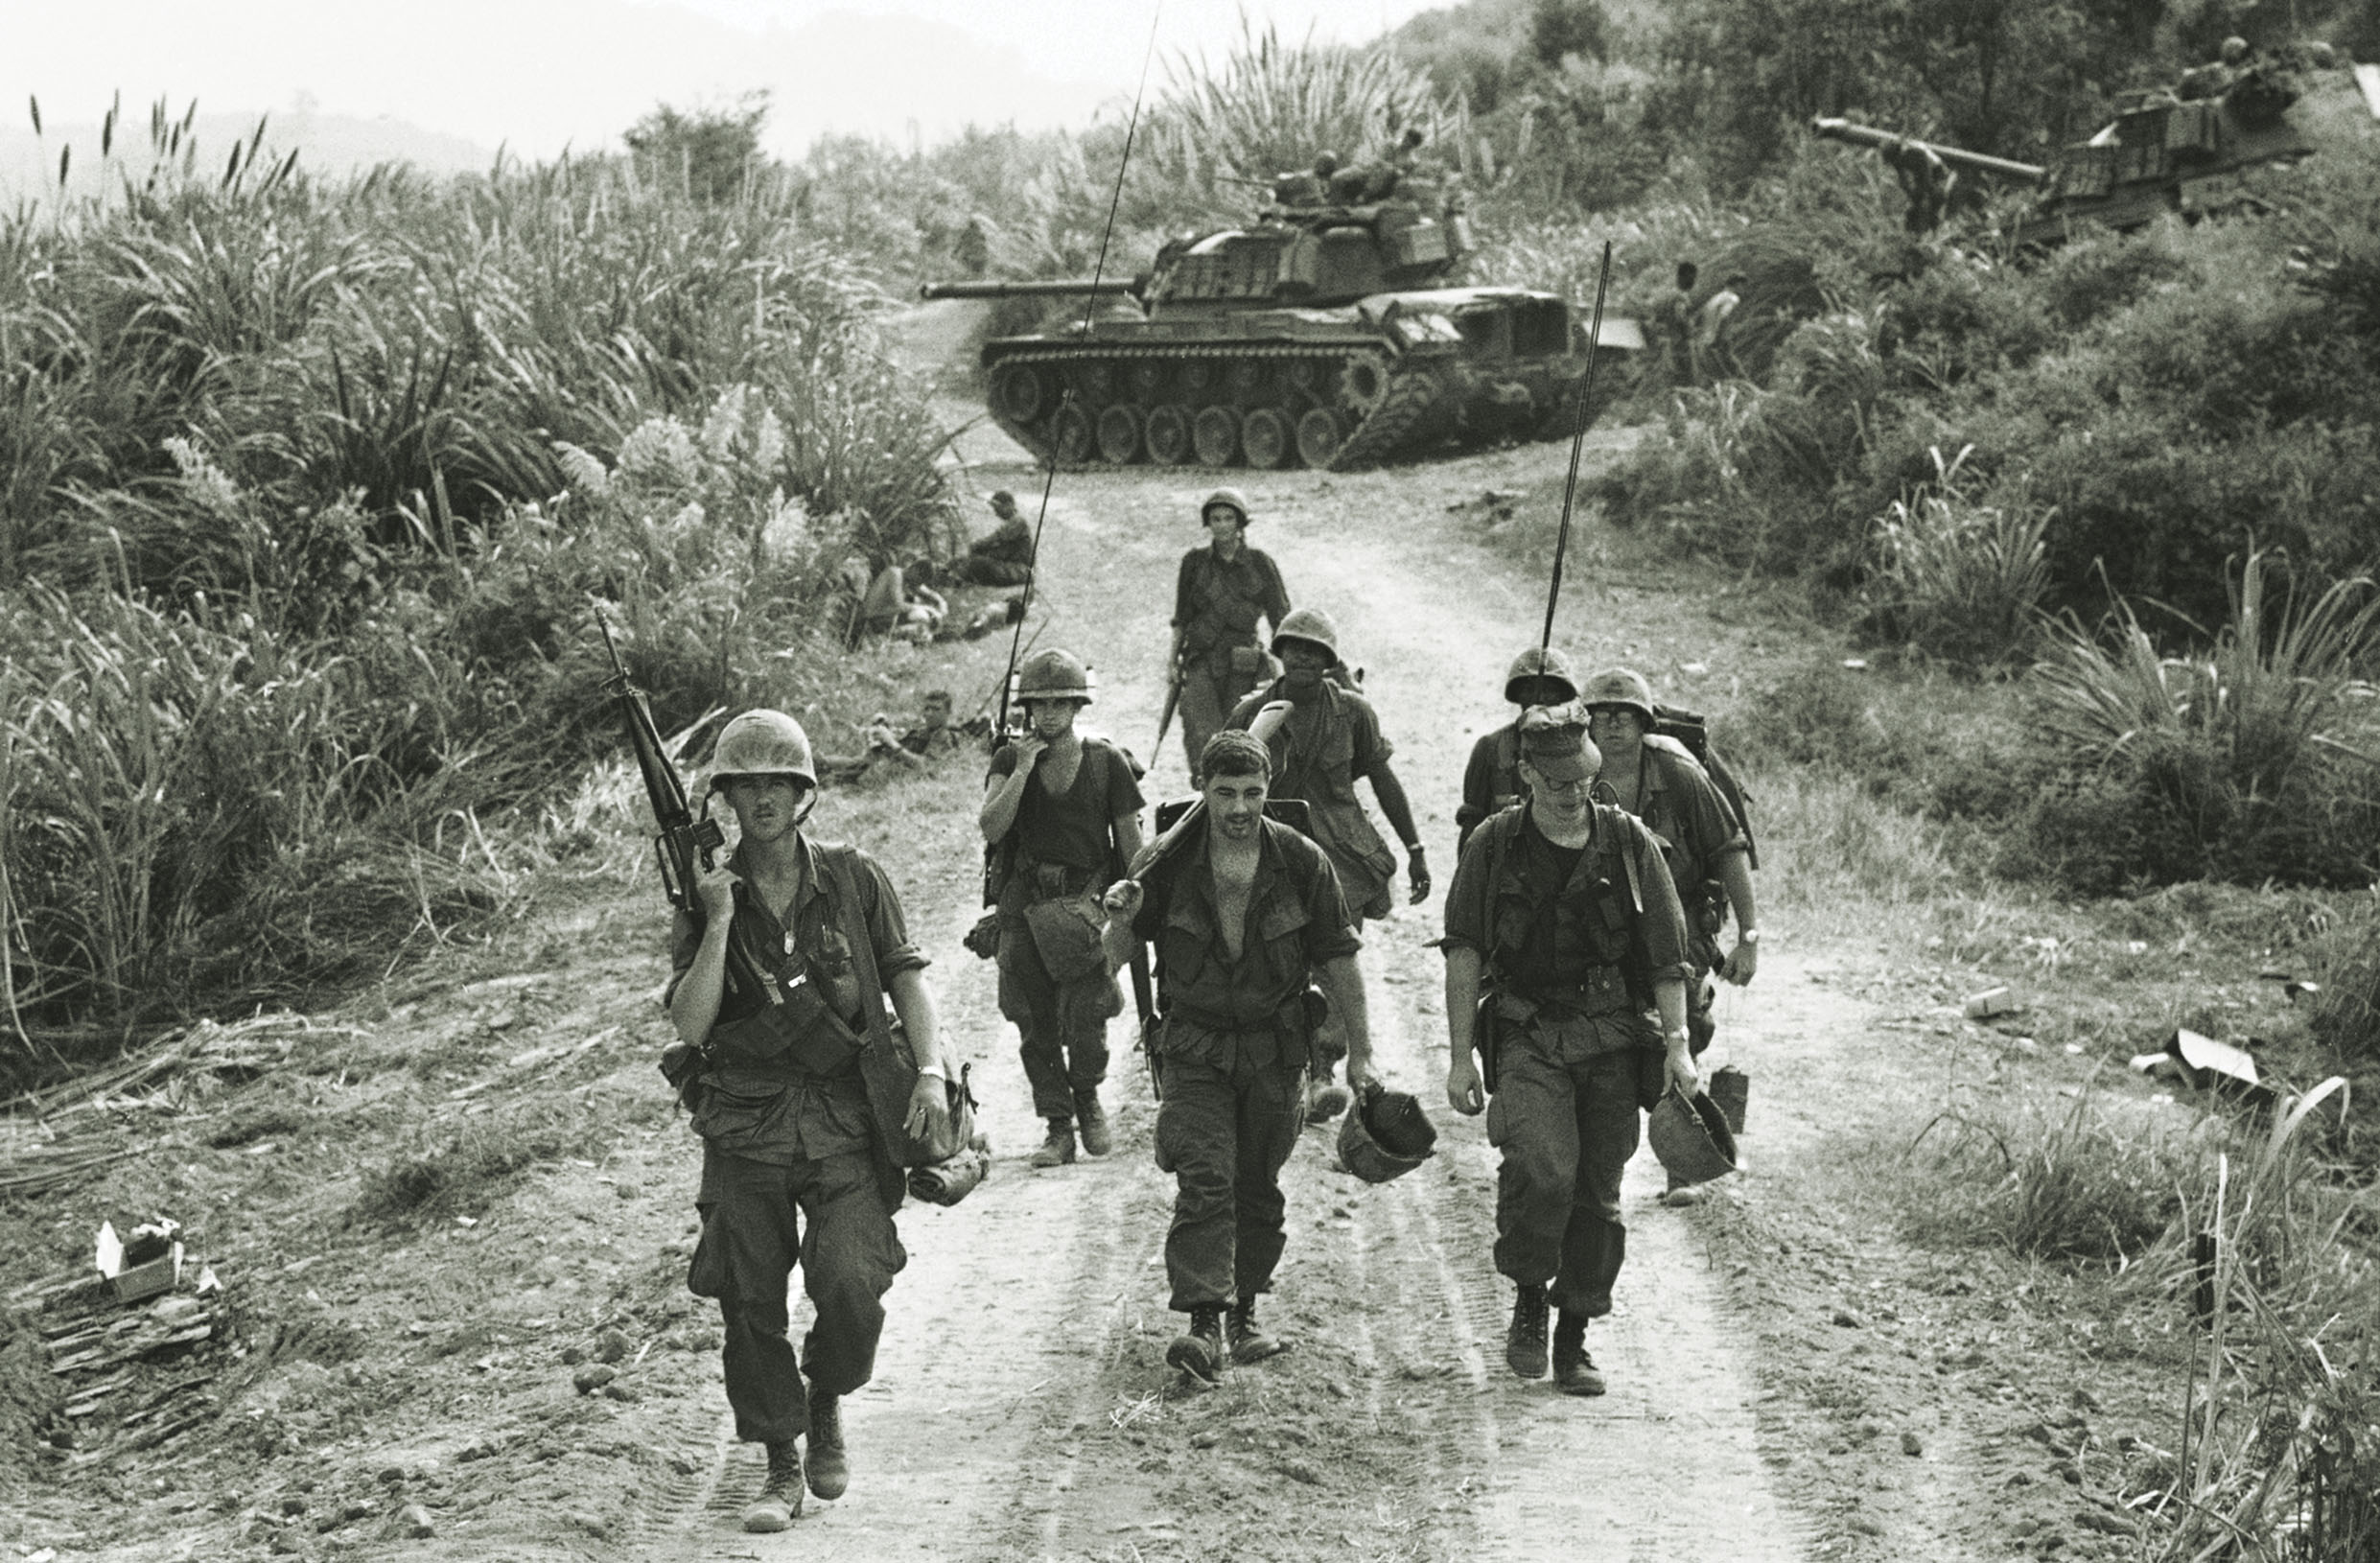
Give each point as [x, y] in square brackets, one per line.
[1957, 579]
[2069, 1186]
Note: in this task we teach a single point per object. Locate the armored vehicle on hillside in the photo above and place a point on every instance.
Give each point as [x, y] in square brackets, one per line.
[1320, 334]
[2193, 148]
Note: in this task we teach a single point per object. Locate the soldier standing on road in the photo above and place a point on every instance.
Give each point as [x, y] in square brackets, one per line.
[794, 1165]
[1222, 593]
[1491, 782]
[1246, 915]
[1331, 736]
[1562, 912]
[1658, 779]
[1063, 812]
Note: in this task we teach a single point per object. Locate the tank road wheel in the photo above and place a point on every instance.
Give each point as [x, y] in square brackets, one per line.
[1215, 436]
[1167, 435]
[1119, 433]
[1095, 382]
[1363, 385]
[1318, 437]
[1149, 377]
[1071, 436]
[1265, 437]
[1019, 392]
[1198, 376]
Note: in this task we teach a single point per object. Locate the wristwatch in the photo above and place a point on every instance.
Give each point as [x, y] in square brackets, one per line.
[1748, 936]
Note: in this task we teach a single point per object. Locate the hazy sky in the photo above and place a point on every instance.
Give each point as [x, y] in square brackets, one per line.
[540, 74]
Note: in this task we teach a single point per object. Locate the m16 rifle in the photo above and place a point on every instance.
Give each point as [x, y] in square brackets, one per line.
[687, 846]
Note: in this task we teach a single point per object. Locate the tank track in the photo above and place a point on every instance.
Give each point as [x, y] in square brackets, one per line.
[1414, 400]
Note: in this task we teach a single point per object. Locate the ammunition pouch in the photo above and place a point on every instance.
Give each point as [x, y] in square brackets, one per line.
[802, 1031]
[1246, 660]
[983, 939]
[682, 1065]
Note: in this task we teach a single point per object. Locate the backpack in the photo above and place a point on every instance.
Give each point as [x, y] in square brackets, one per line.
[1689, 728]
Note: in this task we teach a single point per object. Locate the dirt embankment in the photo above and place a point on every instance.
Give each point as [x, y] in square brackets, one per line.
[415, 1396]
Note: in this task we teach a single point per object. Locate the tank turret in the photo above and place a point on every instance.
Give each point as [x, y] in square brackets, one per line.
[2188, 148]
[1324, 332]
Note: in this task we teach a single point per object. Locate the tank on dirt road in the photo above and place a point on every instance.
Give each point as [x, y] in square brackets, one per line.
[1322, 334]
[2194, 147]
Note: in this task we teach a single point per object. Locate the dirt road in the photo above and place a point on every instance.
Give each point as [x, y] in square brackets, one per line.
[1022, 1408]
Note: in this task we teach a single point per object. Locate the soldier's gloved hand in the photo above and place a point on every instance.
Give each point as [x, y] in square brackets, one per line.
[1122, 901]
[1417, 873]
[714, 889]
[1741, 962]
[1462, 1087]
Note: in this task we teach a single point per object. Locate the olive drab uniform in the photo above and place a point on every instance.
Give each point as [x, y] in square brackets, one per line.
[1055, 860]
[794, 1167]
[1693, 825]
[1233, 1052]
[1572, 943]
[1491, 781]
[1217, 604]
[1317, 755]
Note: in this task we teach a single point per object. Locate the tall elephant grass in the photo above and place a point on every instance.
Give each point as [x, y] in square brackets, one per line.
[313, 491]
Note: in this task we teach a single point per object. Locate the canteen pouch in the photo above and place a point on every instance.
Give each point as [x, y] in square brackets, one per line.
[1249, 659]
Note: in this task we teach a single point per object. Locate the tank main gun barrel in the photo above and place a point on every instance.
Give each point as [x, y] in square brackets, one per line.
[1957, 157]
[1115, 287]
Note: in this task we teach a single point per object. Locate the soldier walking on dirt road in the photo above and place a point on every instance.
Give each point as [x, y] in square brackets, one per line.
[1219, 595]
[794, 1165]
[1491, 782]
[1329, 736]
[1246, 915]
[1562, 914]
[1659, 780]
[1063, 813]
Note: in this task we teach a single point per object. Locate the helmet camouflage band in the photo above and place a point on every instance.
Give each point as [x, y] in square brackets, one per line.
[1054, 675]
[1311, 625]
[762, 743]
[1621, 687]
[1542, 665]
[1231, 497]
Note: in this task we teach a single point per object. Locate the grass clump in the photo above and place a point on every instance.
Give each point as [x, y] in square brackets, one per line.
[2069, 1185]
[465, 1168]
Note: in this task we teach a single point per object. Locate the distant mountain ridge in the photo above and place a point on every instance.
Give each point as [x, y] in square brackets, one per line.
[325, 143]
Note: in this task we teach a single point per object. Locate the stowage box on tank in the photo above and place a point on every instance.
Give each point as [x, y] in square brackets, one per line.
[1322, 334]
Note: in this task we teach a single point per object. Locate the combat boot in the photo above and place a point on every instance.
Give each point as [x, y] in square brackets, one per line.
[781, 1495]
[1057, 1151]
[1200, 1352]
[1525, 1343]
[1091, 1123]
[1250, 1343]
[1574, 1371]
[830, 1469]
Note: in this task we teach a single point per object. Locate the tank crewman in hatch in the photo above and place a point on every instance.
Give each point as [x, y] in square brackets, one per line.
[1063, 811]
[1562, 913]
[1491, 782]
[1657, 780]
[1330, 738]
[1245, 913]
[1222, 593]
[793, 1162]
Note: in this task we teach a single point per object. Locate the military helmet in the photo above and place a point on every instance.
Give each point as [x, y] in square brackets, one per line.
[1231, 497]
[1054, 675]
[1691, 1138]
[1385, 1136]
[1619, 686]
[1543, 664]
[2234, 49]
[1311, 625]
[762, 743]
